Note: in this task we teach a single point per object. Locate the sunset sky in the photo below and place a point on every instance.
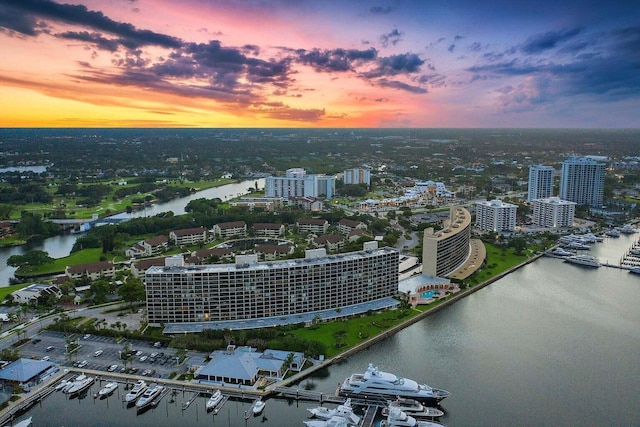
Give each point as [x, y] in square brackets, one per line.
[319, 63]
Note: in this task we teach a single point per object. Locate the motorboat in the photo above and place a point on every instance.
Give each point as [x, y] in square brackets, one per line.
[149, 396]
[578, 246]
[345, 411]
[213, 401]
[561, 252]
[80, 385]
[24, 423]
[635, 270]
[258, 406]
[398, 418]
[107, 389]
[627, 229]
[634, 251]
[334, 421]
[70, 383]
[64, 383]
[376, 383]
[613, 232]
[137, 391]
[586, 260]
[414, 408]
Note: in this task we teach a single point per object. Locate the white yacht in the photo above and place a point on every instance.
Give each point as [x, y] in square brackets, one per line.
[107, 389]
[413, 408]
[80, 385]
[213, 401]
[398, 418]
[635, 269]
[148, 396]
[376, 383]
[345, 411]
[137, 391]
[586, 260]
[558, 251]
[614, 232]
[258, 407]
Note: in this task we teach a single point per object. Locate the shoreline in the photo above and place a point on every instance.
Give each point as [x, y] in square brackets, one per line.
[395, 329]
[271, 389]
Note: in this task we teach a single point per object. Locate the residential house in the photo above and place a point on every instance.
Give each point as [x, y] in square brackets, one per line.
[356, 234]
[345, 226]
[310, 204]
[268, 229]
[206, 255]
[149, 247]
[226, 230]
[332, 242]
[312, 225]
[138, 268]
[273, 252]
[188, 236]
[93, 271]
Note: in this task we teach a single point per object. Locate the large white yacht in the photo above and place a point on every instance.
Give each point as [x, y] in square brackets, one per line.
[376, 383]
[148, 396]
[586, 260]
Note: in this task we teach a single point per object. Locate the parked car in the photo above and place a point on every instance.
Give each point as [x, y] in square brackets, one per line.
[83, 364]
[112, 368]
[98, 353]
[50, 348]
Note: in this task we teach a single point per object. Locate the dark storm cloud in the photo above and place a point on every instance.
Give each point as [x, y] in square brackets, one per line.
[80, 15]
[393, 65]
[394, 37]
[400, 85]
[93, 38]
[540, 43]
[13, 19]
[335, 60]
[604, 66]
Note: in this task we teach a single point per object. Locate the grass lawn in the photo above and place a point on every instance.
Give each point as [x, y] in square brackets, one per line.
[497, 261]
[85, 256]
[108, 206]
[348, 333]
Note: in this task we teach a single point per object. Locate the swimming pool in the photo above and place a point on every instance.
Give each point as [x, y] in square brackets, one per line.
[428, 294]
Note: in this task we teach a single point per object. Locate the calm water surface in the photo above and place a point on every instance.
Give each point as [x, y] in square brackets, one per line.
[551, 344]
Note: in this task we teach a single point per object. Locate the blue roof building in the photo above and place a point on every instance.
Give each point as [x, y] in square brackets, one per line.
[25, 370]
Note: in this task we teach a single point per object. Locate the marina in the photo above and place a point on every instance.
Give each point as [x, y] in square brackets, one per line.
[465, 353]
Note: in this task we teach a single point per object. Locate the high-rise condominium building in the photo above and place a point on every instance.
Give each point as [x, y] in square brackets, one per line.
[357, 176]
[255, 290]
[496, 215]
[540, 182]
[553, 212]
[296, 183]
[445, 250]
[582, 181]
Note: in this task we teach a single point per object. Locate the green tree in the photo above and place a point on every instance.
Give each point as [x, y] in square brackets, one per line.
[132, 290]
[30, 260]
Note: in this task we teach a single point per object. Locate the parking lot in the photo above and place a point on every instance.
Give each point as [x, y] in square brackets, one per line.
[103, 354]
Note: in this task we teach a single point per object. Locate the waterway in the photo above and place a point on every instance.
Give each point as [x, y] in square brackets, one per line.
[60, 246]
[550, 344]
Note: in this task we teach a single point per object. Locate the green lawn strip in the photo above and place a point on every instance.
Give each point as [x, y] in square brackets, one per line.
[85, 256]
[12, 241]
[496, 262]
[350, 332]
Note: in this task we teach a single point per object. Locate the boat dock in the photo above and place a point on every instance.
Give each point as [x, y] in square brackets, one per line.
[369, 416]
[220, 404]
[310, 395]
